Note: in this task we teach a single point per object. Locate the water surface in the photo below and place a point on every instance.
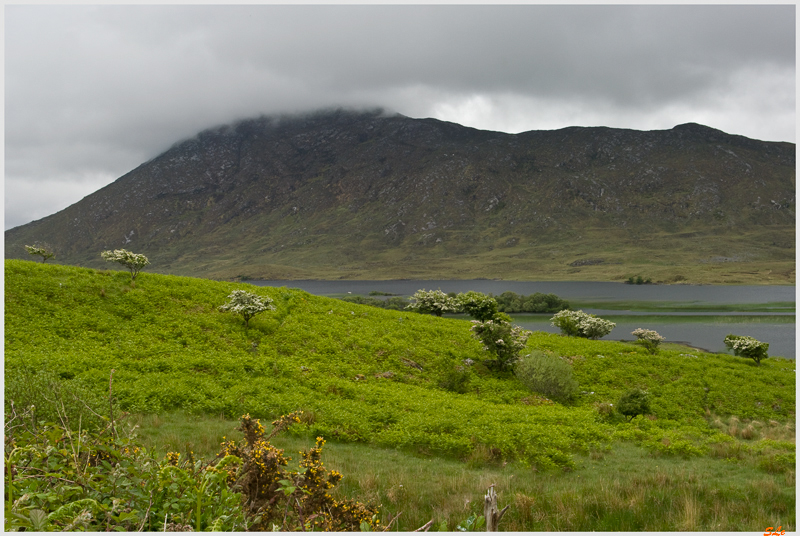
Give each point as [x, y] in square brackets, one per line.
[706, 332]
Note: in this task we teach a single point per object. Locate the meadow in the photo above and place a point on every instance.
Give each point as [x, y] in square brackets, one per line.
[390, 389]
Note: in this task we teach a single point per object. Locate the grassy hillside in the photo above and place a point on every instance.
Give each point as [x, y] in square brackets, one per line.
[381, 378]
[360, 373]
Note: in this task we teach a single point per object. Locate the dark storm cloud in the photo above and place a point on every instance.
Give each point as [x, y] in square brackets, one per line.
[93, 91]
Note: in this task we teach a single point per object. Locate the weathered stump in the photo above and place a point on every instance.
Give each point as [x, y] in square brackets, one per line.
[490, 512]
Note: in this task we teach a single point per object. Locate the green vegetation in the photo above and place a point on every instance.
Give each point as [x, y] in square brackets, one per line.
[634, 403]
[66, 479]
[538, 302]
[745, 346]
[547, 374]
[58, 398]
[623, 487]
[475, 304]
[386, 388]
[105, 482]
[478, 305]
[395, 303]
[502, 339]
[674, 319]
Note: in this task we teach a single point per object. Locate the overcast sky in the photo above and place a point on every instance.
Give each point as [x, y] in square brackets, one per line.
[91, 92]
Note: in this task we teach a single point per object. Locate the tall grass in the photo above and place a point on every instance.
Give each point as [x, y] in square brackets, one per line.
[620, 488]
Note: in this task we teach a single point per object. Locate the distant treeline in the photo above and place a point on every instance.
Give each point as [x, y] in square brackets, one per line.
[511, 302]
[507, 302]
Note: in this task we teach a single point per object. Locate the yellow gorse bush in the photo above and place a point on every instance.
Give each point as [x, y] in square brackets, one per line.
[290, 500]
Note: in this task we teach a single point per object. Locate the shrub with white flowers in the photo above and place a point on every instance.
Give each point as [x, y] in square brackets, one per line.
[44, 251]
[648, 338]
[432, 301]
[247, 304]
[501, 338]
[580, 324]
[745, 346]
[134, 262]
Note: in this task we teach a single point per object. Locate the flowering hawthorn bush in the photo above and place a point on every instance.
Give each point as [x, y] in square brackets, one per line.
[433, 301]
[501, 338]
[134, 262]
[44, 251]
[247, 304]
[745, 346]
[580, 324]
[648, 338]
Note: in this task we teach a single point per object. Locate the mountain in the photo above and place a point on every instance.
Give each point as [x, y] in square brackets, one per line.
[370, 195]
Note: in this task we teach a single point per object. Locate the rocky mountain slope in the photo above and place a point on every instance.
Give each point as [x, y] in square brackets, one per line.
[370, 195]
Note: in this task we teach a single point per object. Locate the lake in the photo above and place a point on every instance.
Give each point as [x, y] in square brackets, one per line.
[704, 330]
[700, 331]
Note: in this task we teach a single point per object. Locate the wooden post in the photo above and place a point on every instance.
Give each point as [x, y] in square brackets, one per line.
[490, 512]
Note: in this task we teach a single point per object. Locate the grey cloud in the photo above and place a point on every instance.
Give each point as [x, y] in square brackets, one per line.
[96, 90]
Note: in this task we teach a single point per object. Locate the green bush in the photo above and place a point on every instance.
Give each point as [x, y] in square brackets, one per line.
[56, 398]
[456, 381]
[63, 480]
[547, 374]
[634, 402]
[502, 339]
[674, 447]
[777, 463]
[59, 479]
[477, 305]
[511, 302]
